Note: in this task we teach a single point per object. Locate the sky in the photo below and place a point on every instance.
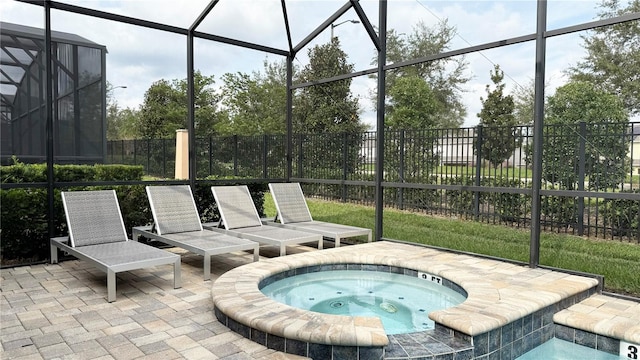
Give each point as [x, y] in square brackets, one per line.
[137, 57]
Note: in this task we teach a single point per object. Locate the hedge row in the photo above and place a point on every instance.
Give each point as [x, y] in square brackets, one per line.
[23, 214]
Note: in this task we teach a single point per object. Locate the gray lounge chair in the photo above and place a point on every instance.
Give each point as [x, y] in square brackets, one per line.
[177, 223]
[97, 235]
[240, 218]
[293, 213]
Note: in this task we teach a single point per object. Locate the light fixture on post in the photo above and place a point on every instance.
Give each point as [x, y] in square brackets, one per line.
[111, 88]
[110, 92]
[340, 23]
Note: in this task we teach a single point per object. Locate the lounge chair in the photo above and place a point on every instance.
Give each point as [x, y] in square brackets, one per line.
[240, 218]
[293, 213]
[97, 235]
[177, 223]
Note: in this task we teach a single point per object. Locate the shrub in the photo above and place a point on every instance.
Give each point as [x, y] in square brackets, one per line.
[623, 217]
[460, 201]
[23, 215]
[559, 210]
[511, 207]
[206, 203]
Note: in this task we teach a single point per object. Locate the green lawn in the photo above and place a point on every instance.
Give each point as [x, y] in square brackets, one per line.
[619, 262]
[509, 172]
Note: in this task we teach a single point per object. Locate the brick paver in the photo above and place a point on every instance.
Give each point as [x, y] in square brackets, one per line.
[60, 311]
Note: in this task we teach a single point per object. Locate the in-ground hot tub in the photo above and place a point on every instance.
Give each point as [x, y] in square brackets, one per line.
[402, 302]
[507, 305]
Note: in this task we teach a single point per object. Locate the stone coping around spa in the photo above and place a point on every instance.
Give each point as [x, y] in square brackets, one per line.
[604, 315]
[498, 293]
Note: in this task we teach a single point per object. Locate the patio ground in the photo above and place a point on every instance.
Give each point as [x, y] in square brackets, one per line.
[61, 311]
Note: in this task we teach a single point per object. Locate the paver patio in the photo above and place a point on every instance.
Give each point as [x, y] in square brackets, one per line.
[61, 311]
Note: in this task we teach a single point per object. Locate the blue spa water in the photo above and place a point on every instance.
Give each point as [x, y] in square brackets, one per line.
[556, 349]
[402, 302]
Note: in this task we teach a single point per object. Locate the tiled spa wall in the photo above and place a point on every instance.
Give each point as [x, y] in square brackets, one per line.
[518, 337]
[366, 267]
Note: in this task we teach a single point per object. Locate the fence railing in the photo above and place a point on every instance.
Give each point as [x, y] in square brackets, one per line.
[591, 173]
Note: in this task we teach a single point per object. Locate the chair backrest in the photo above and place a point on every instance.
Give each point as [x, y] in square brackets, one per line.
[290, 202]
[173, 209]
[93, 217]
[236, 207]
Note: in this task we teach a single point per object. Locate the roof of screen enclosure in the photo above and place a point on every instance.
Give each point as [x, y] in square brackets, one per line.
[19, 47]
[293, 49]
[380, 45]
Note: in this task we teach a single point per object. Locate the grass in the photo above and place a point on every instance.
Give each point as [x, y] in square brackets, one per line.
[509, 172]
[619, 262]
[463, 170]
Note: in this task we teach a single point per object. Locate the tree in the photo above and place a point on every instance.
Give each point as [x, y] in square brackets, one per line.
[120, 122]
[113, 121]
[523, 103]
[208, 116]
[605, 140]
[161, 113]
[613, 56]
[328, 114]
[412, 105]
[499, 138]
[256, 103]
[328, 107]
[165, 108]
[411, 113]
[444, 76]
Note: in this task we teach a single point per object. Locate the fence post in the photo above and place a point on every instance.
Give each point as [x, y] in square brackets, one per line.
[148, 156]
[265, 143]
[401, 171]
[345, 170]
[182, 154]
[164, 158]
[235, 155]
[581, 176]
[300, 156]
[210, 154]
[476, 194]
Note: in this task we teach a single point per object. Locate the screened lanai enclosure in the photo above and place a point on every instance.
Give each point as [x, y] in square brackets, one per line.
[78, 96]
[56, 108]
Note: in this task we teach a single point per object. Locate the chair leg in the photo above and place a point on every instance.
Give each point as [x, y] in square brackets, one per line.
[320, 243]
[207, 267]
[283, 249]
[256, 253]
[54, 254]
[177, 274]
[111, 285]
[370, 235]
[337, 241]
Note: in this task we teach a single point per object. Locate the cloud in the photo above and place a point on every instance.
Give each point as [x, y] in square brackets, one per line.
[138, 56]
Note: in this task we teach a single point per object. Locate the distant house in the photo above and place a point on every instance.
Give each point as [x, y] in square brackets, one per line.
[634, 149]
[456, 148]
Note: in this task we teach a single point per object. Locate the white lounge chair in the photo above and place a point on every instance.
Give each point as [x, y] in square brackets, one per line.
[97, 235]
[240, 218]
[177, 223]
[293, 213]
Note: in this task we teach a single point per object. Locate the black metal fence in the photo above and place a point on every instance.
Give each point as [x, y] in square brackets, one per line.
[591, 172]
